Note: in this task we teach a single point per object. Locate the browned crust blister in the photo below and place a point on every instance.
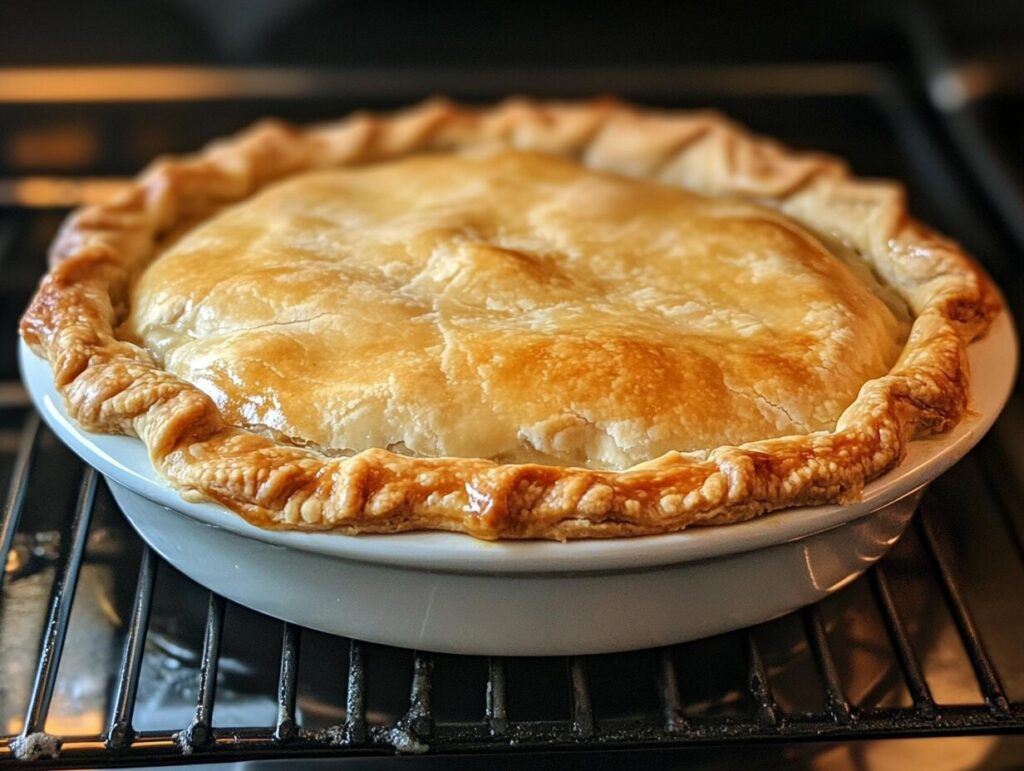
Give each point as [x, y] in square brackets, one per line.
[114, 386]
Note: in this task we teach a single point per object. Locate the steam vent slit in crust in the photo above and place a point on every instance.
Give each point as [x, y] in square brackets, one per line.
[553, 320]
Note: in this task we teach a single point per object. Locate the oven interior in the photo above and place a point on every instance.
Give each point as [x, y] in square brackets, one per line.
[109, 657]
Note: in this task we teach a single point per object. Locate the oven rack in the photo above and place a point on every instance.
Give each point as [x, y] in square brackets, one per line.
[418, 731]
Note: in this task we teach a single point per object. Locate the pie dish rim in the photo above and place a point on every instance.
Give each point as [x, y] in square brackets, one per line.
[123, 460]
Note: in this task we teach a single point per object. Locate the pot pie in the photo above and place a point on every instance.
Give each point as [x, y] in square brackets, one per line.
[538, 320]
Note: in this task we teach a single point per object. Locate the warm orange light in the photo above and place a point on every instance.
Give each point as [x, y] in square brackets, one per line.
[118, 84]
[85, 723]
[41, 192]
[169, 83]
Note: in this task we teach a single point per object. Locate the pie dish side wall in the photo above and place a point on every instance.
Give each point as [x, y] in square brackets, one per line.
[531, 614]
[113, 386]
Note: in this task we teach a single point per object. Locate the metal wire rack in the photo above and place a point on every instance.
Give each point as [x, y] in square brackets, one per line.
[418, 729]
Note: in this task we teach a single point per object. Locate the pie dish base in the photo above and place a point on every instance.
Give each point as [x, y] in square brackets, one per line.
[529, 614]
[454, 593]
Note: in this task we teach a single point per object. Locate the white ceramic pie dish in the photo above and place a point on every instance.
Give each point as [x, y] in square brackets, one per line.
[453, 593]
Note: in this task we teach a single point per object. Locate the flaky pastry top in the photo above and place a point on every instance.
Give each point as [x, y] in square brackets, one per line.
[511, 306]
[416, 320]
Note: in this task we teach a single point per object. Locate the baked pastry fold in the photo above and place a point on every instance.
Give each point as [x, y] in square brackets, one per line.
[559, 320]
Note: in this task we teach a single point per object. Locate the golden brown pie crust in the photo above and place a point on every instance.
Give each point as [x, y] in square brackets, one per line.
[513, 306]
[114, 386]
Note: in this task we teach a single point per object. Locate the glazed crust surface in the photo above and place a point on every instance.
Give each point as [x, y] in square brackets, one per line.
[506, 404]
[513, 306]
